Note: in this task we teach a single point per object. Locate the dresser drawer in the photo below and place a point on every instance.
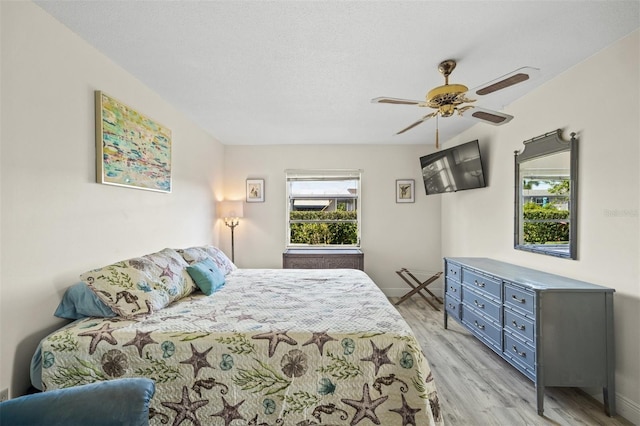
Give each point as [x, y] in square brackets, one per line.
[519, 352]
[306, 262]
[518, 325]
[453, 288]
[453, 271]
[519, 299]
[453, 306]
[480, 303]
[483, 283]
[323, 259]
[482, 327]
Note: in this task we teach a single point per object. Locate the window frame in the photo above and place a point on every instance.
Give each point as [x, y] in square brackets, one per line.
[328, 175]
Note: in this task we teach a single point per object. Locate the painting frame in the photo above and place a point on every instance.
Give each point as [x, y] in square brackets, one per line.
[132, 150]
[405, 190]
[255, 190]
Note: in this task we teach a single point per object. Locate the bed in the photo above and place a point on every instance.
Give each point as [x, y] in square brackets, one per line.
[270, 347]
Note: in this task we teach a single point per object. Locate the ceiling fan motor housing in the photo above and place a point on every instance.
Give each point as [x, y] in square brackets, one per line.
[449, 94]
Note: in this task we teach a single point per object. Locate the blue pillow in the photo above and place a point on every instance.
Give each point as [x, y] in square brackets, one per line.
[207, 276]
[79, 301]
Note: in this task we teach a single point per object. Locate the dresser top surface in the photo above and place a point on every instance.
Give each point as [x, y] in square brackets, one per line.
[537, 280]
[320, 251]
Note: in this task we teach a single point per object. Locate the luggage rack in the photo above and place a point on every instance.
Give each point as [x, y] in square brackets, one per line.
[418, 286]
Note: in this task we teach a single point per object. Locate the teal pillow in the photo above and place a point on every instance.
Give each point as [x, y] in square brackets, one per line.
[207, 276]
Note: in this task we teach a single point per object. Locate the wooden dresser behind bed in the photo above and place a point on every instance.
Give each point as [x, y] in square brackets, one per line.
[323, 259]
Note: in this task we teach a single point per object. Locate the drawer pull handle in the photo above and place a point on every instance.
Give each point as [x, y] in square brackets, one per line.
[522, 354]
[453, 289]
[480, 326]
[453, 271]
[514, 297]
[515, 324]
[479, 305]
[478, 284]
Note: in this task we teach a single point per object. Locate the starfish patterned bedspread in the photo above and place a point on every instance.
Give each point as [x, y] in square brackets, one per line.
[273, 347]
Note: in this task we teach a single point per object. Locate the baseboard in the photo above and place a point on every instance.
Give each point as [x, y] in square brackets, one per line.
[625, 407]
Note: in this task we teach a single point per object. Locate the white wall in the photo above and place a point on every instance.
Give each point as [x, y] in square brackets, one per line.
[56, 221]
[598, 99]
[393, 235]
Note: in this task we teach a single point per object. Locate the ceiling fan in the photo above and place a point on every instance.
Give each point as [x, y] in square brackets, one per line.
[451, 98]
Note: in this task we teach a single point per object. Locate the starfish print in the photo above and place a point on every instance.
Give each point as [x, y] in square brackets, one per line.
[379, 356]
[142, 338]
[185, 409]
[104, 333]
[167, 272]
[408, 414]
[243, 317]
[198, 360]
[366, 407]
[275, 337]
[229, 412]
[206, 316]
[319, 339]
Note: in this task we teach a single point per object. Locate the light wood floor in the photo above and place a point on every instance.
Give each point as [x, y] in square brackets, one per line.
[477, 387]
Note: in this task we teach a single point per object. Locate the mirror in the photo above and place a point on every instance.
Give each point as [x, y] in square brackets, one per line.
[546, 195]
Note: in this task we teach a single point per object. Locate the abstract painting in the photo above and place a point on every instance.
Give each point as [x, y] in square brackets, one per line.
[132, 150]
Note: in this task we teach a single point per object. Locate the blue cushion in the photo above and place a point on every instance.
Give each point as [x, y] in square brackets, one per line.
[207, 276]
[79, 301]
[113, 402]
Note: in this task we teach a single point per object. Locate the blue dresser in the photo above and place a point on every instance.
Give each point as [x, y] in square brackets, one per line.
[557, 331]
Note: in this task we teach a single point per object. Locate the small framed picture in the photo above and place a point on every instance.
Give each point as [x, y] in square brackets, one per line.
[255, 190]
[405, 191]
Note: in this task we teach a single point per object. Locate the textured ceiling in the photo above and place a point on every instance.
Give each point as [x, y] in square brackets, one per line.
[297, 72]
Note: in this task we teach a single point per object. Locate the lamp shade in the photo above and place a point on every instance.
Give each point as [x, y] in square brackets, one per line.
[230, 209]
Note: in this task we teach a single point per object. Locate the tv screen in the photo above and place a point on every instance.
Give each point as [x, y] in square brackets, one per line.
[453, 169]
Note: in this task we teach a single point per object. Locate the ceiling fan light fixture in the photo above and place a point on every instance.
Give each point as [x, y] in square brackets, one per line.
[447, 110]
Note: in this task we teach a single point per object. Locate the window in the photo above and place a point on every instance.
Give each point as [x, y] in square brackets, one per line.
[323, 208]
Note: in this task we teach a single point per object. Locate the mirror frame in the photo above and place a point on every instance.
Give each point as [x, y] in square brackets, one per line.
[542, 146]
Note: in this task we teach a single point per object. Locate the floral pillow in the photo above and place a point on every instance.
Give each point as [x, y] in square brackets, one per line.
[193, 255]
[141, 285]
[196, 254]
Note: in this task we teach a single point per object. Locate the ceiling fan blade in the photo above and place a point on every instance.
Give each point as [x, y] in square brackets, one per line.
[398, 101]
[518, 76]
[488, 116]
[422, 120]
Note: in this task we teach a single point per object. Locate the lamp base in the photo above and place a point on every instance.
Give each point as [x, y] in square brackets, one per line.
[232, 224]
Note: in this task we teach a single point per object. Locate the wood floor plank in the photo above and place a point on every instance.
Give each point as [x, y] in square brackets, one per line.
[477, 387]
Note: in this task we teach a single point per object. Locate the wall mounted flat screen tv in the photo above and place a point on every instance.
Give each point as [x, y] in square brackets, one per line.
[453, 169]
